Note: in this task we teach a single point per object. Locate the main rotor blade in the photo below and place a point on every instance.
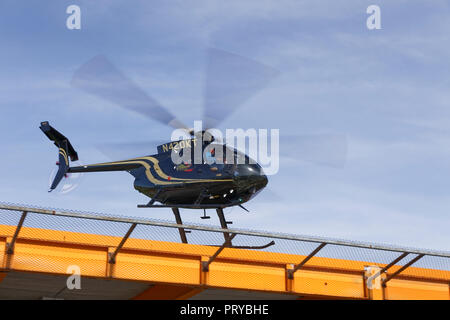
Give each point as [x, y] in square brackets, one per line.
[322, 149]
[101, 78]
[230, 81]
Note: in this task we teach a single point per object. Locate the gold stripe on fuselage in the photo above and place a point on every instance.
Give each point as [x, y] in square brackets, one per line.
[158, 170]
[161, 173]
[64, 154]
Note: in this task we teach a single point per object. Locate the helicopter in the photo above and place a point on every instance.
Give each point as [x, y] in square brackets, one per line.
[212, 181]
[210, 184]
[213, 184]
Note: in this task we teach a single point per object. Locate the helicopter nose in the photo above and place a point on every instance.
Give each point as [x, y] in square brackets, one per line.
[252, 178]
[258, 182]
[261, 180]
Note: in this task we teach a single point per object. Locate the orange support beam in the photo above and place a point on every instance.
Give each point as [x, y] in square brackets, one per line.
[176, 268]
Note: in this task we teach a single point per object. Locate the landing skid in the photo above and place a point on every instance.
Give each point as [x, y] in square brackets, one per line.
[223, 222]
[184, 206]
[271, 243]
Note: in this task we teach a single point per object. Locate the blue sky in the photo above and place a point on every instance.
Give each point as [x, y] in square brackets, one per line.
[386, 90]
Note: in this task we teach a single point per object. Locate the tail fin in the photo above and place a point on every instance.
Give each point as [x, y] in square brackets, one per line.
[65, 151]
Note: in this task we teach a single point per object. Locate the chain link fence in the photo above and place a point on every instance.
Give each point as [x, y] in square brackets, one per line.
[121, 232]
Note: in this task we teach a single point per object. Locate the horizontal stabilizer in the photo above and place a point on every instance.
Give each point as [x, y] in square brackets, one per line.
[58, 138]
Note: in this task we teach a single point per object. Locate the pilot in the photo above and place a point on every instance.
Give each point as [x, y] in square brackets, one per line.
[210, 156]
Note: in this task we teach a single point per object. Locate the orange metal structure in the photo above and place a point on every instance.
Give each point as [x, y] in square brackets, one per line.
[175, 269]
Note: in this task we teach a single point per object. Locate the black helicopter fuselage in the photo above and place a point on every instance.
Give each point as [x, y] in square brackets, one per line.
[221, 178]
[189, 185]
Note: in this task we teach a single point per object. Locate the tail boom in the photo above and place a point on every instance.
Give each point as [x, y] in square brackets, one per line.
[66, 152]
